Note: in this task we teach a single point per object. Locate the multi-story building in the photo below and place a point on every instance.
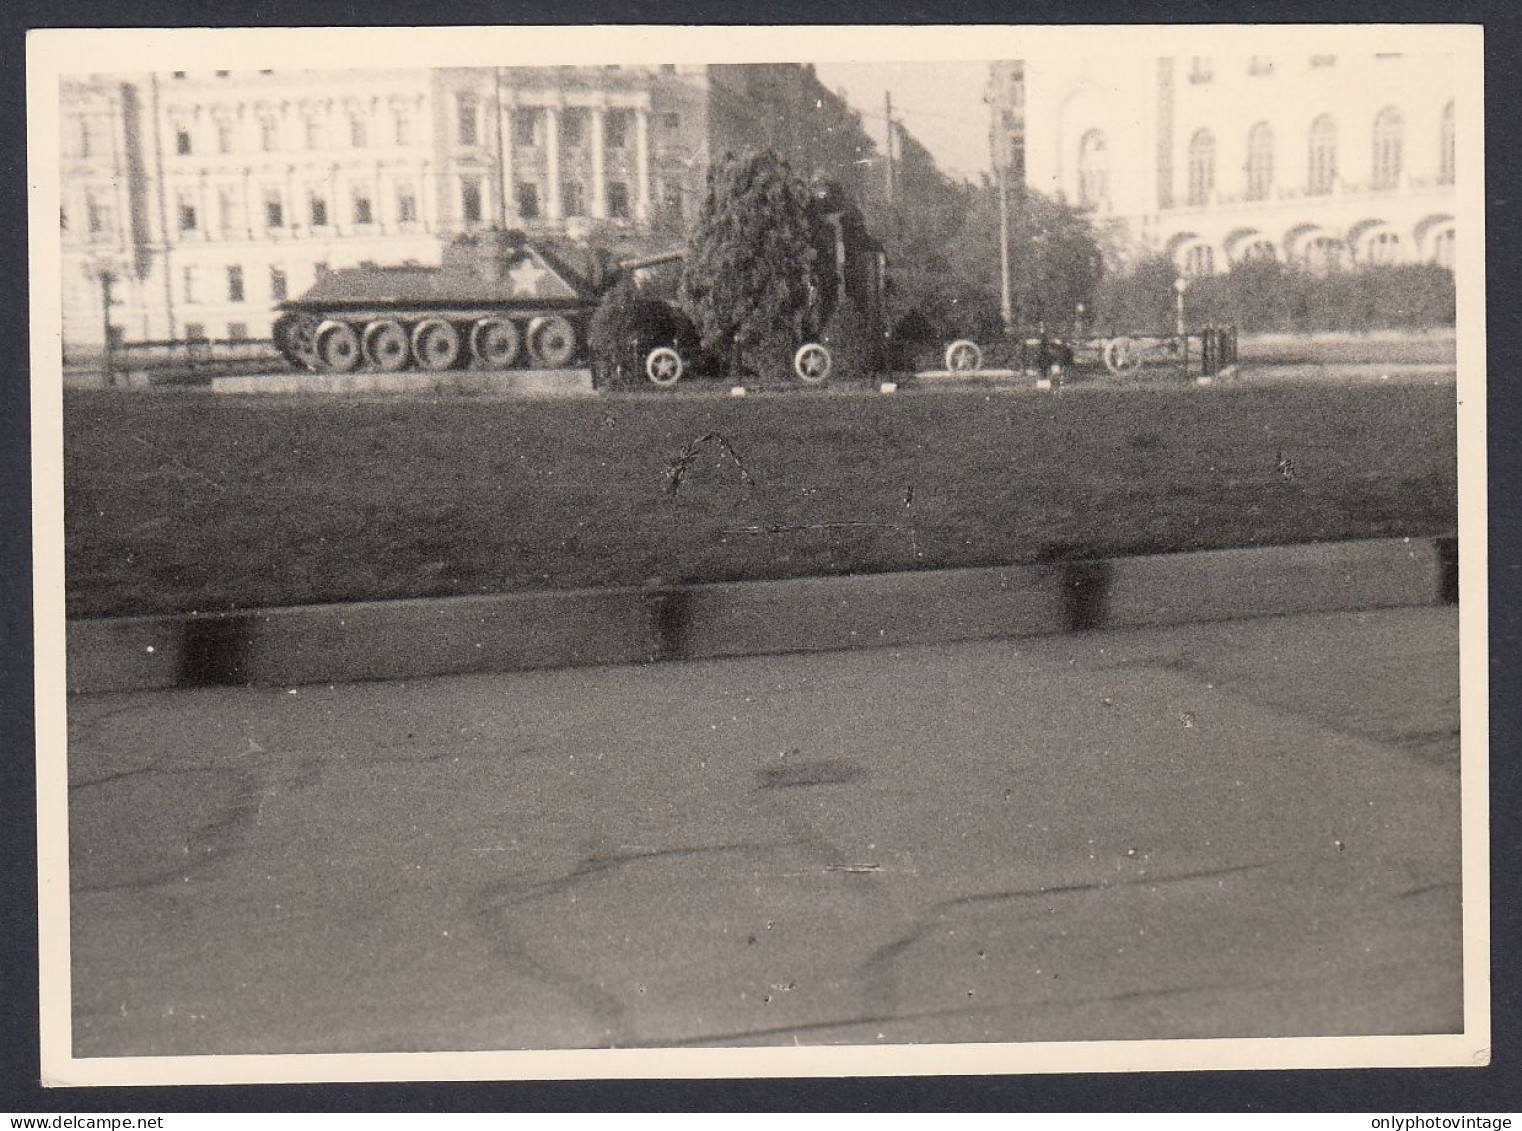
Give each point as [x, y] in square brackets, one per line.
[1322, 160]
[194, 202]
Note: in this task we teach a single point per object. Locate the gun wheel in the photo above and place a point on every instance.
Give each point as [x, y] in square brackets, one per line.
[664, 367]
[812, 363]
[963, 356]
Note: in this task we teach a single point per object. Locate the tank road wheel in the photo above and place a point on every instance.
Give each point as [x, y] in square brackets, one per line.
[338, 347]
[386, 346]
[664, 367]
[812, 363]
[963, 356]
[1121, 355]
[435, 344]
[494, 341]
[552, 342]
[296, 335]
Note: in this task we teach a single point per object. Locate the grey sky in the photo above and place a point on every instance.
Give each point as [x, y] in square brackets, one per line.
[941, 103]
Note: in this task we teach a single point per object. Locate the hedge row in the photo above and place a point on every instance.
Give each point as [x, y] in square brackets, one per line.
[1267, 296]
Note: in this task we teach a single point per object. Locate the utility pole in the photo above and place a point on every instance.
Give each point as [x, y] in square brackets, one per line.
[501, 154]
[1006, 299]
[892, 180]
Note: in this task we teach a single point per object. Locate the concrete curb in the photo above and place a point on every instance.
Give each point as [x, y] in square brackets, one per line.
[411, 639]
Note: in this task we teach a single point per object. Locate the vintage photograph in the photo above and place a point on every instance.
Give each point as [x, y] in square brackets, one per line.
[952, 540]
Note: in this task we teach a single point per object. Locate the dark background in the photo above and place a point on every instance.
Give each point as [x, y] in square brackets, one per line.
[1495, 1089]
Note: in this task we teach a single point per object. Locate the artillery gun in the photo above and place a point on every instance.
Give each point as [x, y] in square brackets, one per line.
[496, 301]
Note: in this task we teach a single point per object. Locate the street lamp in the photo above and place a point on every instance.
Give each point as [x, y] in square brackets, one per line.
[1180, 285]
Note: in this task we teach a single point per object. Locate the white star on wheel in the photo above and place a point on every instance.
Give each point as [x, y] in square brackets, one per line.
[527, 277]
[665, 366]
[813, 363]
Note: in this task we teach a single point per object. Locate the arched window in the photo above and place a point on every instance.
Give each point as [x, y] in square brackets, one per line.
[1442, 248]
[1322, 166]
[1389, 130]
[1093, 170]
[1445, 147]
[1324, 254]
[1382, 247]
[1199, 261]
[1257, 251]
[1201, 167]
[1260, 161]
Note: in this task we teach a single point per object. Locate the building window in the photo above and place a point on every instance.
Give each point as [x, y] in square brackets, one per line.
[1442, 248]
[237, 331]
[63, 218]
[465, 119]
[672, 197]
[1201, 69]
[573, 199]
[618, 200]
[269, 134]
[224, 136]
[1260, 161]
[616, 129]
[1201, 167]
[525, 127]
[528, 200]
[668, 68]
[363, 209]
[319, 210]
[1093, 170]
[1445, 148]
[470, 200]
[1260, 65]
[182, 141]
[403, 129]
[1199, 261]
[359, 132]
[1324, 254]
[235, 284]
[1382, 247]
[97, 217]
[406, 204]
[191, 278]
[671, 122]
[177, 74]
[1323, 157]
[274, 209]
[1258, 251]
[1323, 60]
[86, 132]
[223, 74]
[227, 210]
[195, 332]
[317, 134]
[573, 128]
[187, 215]
[278, 288]
[1389, 129]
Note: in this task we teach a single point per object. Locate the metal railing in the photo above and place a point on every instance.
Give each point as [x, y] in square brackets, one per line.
[188, 361]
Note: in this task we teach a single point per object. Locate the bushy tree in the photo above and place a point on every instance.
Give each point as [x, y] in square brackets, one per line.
[753, 269]
[943, 247]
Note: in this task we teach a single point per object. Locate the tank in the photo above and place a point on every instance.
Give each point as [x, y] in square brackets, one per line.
[496, 301]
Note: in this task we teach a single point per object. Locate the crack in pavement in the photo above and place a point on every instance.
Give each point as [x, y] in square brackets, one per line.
[880, 968]
[487, 912]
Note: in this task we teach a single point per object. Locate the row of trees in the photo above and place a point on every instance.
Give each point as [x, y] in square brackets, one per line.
[760, 266]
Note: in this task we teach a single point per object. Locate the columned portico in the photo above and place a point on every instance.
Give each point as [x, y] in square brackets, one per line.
[552, 162]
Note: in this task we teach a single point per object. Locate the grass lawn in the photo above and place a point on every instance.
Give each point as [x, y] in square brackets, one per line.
[189, 501]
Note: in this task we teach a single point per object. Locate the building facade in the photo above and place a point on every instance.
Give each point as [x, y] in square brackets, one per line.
[1326, 161]
[193, 203]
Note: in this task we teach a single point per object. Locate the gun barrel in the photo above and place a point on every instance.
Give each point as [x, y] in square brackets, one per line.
[644, 261]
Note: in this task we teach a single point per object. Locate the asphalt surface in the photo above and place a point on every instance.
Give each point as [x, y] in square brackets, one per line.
[1225, 830]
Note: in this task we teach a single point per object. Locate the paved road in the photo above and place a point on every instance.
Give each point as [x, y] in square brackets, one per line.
[1218, 830]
